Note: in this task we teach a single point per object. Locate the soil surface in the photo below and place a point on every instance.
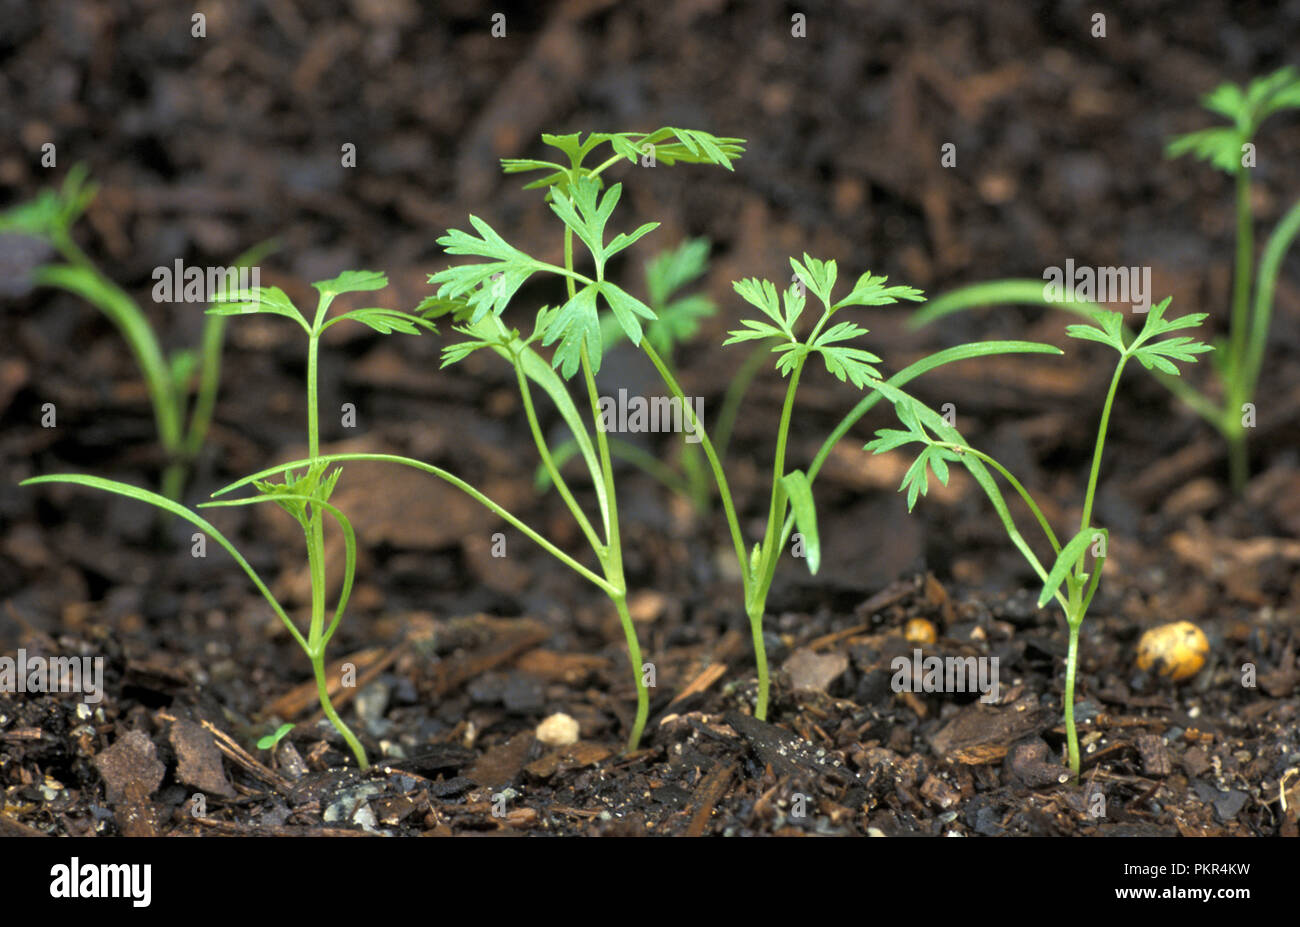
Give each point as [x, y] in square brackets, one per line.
[206, 146]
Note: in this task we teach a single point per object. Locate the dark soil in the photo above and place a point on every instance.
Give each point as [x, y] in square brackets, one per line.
[207, 146]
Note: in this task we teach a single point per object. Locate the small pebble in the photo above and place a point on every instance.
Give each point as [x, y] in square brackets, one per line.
[1176, 651]
[559, 730]
[920, 631]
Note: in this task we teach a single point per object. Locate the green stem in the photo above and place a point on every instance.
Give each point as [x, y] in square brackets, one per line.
[634, 657]
[610, 162]
[175, 473]
[544, 450]
[1279, 242]
[173, 480]
[776, 509]
[81, 278]
[1241, 278]
[1086, 520]
[1238, 456]
[214, 333]
[1015, 484]
[611, 559]
[771, 550]
[724, 491]
[313, 422]
[1071, 661]
[1241, 387]
[755, 613]
[697, 485]
[315, 530]
[327, 706]
[568, 263]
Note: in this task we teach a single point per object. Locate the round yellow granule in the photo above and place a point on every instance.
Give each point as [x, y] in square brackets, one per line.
[1176, 651]
[920, 631]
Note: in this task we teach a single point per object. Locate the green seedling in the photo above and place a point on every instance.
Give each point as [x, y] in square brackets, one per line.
[1068, 580]
[304, 496]
[792, 490]
[575, 329]
[1239, 360]
[791, 504]
[270, 740]
[477, 294]
[169, 378]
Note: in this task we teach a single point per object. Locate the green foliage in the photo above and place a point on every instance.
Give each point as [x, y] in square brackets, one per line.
[1108, 328]
[270, 740]
[1246, 108]
[1239, 364]
[574, 194]
[667, 146]
[586, 215]
[941, 444]
[486, 286]
[268, 300]
[291, 495]
[677, 317]
[352, 281]
[841, 360]
[933, 458]
[52, 213]
[305, 497]
[1067, 559]
[576, 330]
[181, 430]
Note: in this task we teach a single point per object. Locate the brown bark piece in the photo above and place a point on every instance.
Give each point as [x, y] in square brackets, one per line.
[980, 734]
[198, 760]
[1155, 757]
[133, 758]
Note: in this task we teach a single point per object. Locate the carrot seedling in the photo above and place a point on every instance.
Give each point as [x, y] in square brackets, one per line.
[579, 336]
[1238, 362]
[181, 430]
[1068, 580]
[305, 496]
[477, 294]
[270, 740]
[790, 504]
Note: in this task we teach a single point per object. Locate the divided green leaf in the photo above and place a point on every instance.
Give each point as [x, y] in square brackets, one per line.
[352, 281]
[870, 290]
[574, 325]
[1246, 109]
[386, 321]
[264, 299]
[489, 285]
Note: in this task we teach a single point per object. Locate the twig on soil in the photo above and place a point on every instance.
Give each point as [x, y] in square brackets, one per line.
[711, 791]
[238, 755]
